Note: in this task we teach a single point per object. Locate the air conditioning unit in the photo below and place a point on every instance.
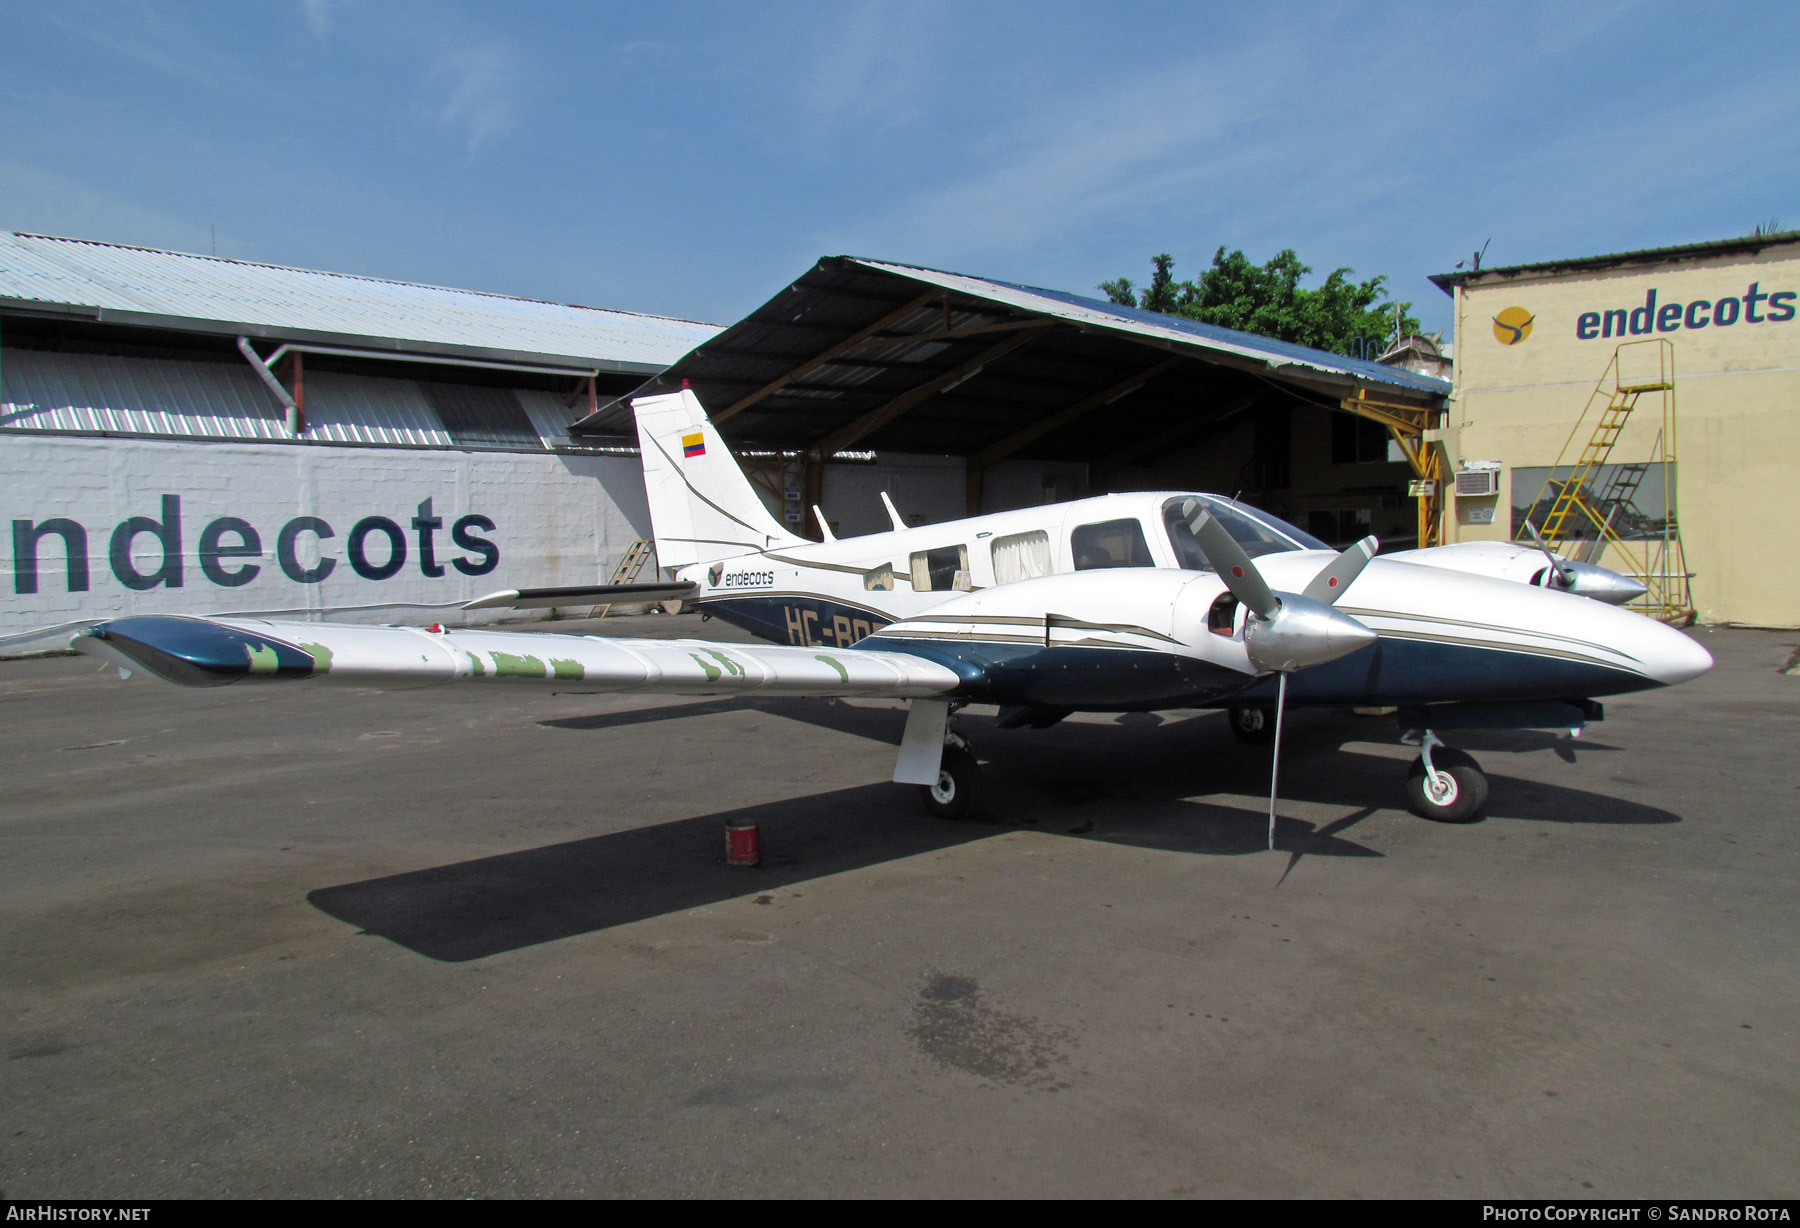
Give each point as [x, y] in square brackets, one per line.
[1476, 482]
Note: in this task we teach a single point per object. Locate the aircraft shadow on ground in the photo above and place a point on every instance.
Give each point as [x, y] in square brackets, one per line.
[876, 724]
[1132, 783]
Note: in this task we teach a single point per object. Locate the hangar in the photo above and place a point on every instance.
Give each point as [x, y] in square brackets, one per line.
[1013, 395]
[191, 434]
[1714, 328]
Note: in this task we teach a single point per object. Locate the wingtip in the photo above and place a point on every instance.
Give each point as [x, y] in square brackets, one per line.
[193, 651]
[505, 597]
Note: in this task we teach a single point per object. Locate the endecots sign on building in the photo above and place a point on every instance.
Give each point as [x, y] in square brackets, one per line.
[1532, 340]
[92, 528]
[1754, 306]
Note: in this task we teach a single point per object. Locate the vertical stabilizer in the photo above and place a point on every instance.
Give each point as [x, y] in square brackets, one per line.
[702, 507]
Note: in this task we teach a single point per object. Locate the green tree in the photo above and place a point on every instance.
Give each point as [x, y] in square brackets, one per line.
[1341, 315]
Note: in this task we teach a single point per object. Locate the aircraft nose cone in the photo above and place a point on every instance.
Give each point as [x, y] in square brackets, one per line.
[1675, 657]
[1604, 585]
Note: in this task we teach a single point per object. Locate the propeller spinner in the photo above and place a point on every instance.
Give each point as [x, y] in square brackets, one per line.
[1558, 574]
[1288, 631]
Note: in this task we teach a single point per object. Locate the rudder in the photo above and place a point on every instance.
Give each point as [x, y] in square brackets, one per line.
[702, 507]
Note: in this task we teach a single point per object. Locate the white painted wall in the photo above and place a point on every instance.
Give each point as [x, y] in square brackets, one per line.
[558, 520]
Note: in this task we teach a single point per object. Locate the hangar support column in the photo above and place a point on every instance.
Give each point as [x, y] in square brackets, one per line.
[1409, 424]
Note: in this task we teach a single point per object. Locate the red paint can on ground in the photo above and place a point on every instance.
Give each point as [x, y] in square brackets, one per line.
[743, 844]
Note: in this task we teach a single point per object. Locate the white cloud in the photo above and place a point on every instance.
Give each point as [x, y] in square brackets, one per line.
[480, 99]
[318, 14]
[872, 63]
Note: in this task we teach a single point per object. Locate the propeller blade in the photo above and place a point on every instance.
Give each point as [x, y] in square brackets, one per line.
[1565, 576]
[1341, 572]
[1275, 765]
[1234, 566]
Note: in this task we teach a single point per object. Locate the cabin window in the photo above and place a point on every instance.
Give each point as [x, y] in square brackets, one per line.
[879, 579]
[1111, 543]
[1021, 556]
[942, 570]
[1257, 532]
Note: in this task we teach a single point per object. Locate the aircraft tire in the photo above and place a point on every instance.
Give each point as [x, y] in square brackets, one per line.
[1253, 725]
[1462, 802]
[958, 788]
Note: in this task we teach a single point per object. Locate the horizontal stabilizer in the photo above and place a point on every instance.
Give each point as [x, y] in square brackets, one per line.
[589, 594]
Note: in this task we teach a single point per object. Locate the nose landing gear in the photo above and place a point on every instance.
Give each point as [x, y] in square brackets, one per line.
[1446, 787]
[1255, 726]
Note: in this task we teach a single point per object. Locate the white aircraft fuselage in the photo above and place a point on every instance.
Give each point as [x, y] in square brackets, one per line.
[1441, 635]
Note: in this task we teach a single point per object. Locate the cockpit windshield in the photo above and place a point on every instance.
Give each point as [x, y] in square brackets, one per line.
[1256, 531]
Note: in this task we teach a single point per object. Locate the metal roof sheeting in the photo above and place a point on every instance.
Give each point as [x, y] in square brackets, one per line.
[48, 391]
[52, 391]
[1154, 324]
[145, 285]
[859, 353]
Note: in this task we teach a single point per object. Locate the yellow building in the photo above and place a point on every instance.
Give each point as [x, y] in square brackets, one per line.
[1534, 341]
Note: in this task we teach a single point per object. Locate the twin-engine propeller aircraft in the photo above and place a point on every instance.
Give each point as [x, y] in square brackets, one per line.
[1121, 603]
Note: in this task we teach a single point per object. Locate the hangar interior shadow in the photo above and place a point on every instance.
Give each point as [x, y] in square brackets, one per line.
[1132, 783]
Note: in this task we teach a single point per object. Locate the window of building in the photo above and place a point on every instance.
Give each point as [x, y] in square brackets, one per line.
[1340, 526]
[475, 414]
[1111, 543]
[1361, 441]
[1630, 499]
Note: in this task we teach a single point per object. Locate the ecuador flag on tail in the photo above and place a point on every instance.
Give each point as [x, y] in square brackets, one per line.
[693, 445]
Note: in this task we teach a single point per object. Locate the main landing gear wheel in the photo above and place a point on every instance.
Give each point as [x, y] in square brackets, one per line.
[958, 787]
[1253, 725]
[1453, 793]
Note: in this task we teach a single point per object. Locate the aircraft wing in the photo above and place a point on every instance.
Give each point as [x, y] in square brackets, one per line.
[217, 651]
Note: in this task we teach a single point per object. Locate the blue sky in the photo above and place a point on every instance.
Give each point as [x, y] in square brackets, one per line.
[690, 159]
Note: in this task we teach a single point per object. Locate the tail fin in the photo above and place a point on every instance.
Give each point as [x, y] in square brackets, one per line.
[702, 507]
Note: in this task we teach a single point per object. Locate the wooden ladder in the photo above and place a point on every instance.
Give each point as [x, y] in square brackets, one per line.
[625, 573]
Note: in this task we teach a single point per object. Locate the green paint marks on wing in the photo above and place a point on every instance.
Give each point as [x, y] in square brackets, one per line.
[263, 659]
[713, 672]
[568, 671]
[726, 661]
[842, 672]
[321, 656]
[508, 666]
[476, 668]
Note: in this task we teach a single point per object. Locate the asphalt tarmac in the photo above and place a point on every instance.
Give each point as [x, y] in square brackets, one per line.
[292, 940]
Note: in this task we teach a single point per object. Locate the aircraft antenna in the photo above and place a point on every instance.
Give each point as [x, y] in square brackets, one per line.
[893, 513]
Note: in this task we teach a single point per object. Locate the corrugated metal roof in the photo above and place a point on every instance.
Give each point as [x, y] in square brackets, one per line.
[1094, 313]
[145, 285]
[870, 354]
[54, 391]
[99, 392]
